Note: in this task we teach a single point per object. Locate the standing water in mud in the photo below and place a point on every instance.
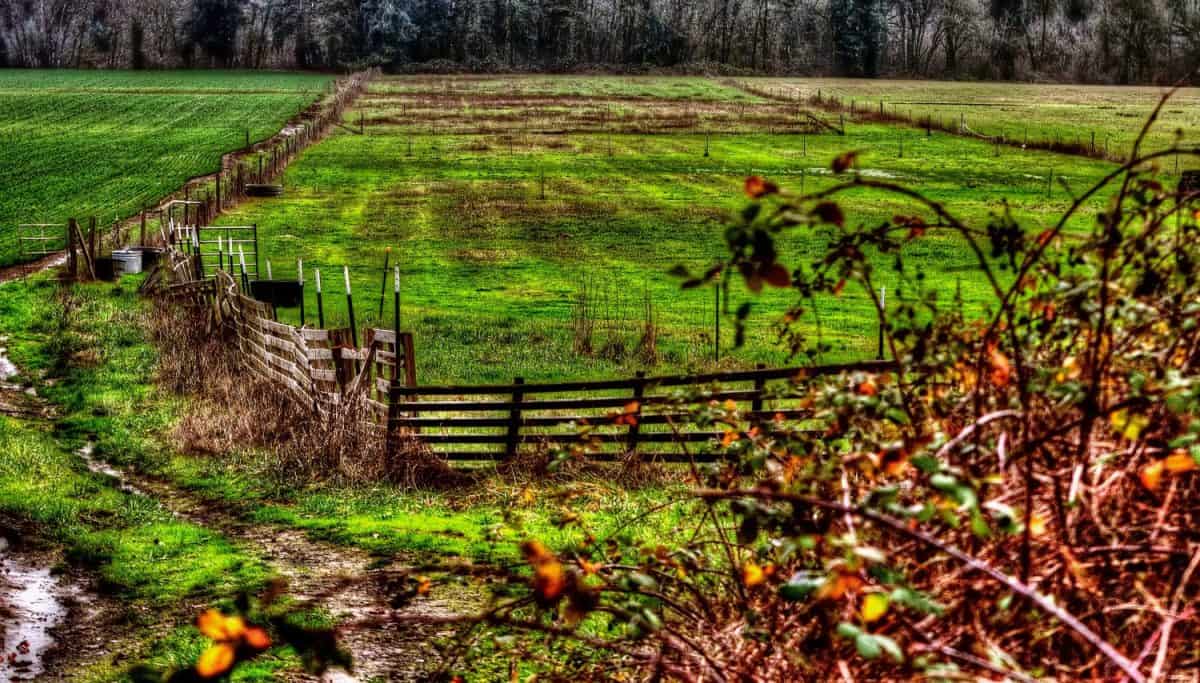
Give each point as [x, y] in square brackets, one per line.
[30, 608]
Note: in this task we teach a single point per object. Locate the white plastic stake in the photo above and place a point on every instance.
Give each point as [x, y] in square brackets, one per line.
[346, 272]
[300, 270]
[397, 279]
[318, 274]
[269, 276]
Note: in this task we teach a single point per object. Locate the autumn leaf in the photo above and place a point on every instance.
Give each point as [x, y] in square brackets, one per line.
[1151, 475]
[757, 187]
[844, 161]
[753, 575]
[215, 625]
[1180, 461]
[1128, 425]
[549, 576]
[257, 638]
[1001, 369]
[829, 212]
[778, 276]
[867, 388]
[215, 661]
[874, 606]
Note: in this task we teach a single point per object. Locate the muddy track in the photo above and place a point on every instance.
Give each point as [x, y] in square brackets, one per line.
[354, 587]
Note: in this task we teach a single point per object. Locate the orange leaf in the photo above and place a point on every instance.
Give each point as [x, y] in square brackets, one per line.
[257, 638]
[1001, 368]
[1180, 461]
[757, 187]
[215, 661]
[549, 577]
[753, 575]
[220, 627]
[423, 585]
[1151, 475]
[867, 388]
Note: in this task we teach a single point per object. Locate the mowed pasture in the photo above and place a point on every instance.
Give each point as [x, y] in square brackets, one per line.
[507, 200]
[77, 144]
[1019, 112]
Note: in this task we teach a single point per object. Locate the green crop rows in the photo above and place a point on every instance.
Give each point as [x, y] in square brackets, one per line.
[105, 144]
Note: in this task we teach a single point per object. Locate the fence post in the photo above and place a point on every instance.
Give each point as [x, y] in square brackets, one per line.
[760, 386]
[635, 427]
[882, 319]
[514, 421]
[71, 263]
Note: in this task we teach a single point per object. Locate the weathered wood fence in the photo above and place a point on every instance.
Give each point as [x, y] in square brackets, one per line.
[646, 416]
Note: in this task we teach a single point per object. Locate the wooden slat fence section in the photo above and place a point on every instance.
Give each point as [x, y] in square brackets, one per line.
[646, 416]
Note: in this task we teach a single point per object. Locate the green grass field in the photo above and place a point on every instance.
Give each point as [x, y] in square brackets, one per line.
[1068, 113]
[491, 269]
[76, 144]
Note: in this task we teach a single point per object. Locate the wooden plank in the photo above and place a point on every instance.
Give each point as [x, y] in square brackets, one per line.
[593, 420]
[665, 381]
[653, 437]
[574, 403]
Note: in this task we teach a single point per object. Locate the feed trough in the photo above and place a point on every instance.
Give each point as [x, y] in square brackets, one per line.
[127, 261]
[264, 190]
[278, 293]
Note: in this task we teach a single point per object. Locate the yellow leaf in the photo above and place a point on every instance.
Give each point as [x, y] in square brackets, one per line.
[874, 606]
[1151, 475]
[1127, 425]
[753, 575]
[215, 661]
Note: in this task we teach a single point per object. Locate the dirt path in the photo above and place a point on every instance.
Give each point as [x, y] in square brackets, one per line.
[351, 585]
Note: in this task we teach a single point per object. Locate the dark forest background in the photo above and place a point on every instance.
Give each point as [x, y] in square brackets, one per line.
[1106, 41]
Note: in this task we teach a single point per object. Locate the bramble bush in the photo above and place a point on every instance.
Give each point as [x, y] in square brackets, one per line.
[1017, 499]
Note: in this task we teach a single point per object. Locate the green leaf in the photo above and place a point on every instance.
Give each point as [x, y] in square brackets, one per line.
[916, 600]
[890, 647]
[868, 646]
[801, 585]
[848, 630]
[926, 463]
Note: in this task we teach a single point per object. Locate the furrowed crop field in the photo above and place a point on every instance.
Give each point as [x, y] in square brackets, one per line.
[510, 203]
[105, 144]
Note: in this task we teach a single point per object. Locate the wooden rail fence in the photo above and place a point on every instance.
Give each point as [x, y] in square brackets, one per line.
[646, 416]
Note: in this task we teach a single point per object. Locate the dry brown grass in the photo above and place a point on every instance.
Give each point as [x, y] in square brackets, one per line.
[233, 410]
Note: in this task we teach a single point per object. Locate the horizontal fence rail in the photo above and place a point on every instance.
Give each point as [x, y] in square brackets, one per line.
[644, 416]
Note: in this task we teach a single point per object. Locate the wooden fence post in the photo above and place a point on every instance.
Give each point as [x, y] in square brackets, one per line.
[760, 386]
[639, 390]
[514, 421]
[71, 262]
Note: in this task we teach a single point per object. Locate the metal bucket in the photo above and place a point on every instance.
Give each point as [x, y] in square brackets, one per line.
[127, 261]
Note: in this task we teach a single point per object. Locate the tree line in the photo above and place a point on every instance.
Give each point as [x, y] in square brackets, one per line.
[1117, 41]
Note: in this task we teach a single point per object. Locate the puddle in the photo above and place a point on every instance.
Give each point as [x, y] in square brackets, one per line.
[30, 607]
[100, 467]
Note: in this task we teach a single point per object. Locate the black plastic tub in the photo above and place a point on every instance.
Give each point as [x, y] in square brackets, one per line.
[150, 256]
[278, 293]
[104, 269]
